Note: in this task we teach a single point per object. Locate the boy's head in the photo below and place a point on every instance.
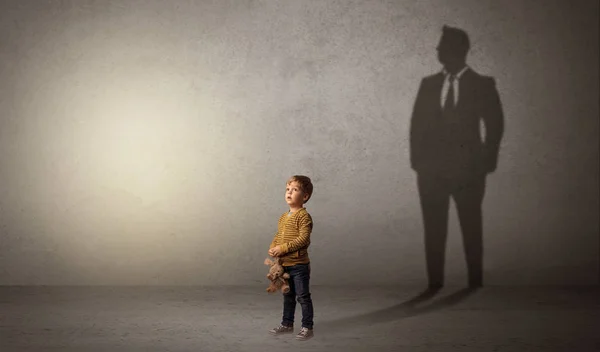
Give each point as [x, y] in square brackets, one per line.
[304, 186]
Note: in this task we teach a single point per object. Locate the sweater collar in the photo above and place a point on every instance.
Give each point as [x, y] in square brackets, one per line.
[297, 211]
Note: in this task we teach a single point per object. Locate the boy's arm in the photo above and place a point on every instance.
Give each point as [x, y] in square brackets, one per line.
[303, 240]
[273, 242]
[275, 237]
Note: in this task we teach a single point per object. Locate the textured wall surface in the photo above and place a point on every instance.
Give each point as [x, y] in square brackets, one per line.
[148, 142]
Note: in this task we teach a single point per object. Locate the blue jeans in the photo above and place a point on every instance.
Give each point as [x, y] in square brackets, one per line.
[299, 289]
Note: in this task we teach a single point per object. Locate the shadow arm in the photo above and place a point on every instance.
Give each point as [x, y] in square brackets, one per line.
[493, 119]
[417, 134]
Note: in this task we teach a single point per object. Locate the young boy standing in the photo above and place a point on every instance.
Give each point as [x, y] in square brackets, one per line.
[291, 244]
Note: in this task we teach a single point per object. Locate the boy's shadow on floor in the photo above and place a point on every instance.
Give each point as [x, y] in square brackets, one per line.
[400, 311]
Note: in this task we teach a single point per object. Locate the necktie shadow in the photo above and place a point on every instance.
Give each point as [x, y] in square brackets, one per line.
[399, 311]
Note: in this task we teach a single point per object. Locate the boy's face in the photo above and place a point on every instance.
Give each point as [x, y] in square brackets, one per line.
[294, 195]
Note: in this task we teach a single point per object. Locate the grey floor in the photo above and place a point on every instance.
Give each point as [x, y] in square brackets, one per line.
[346, 319]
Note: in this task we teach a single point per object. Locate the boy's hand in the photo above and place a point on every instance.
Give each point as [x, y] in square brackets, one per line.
[275, 251]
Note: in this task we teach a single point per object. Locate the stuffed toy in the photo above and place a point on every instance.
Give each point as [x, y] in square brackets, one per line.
[279, 278]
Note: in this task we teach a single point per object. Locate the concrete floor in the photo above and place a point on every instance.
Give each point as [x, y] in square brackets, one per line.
[346, 319]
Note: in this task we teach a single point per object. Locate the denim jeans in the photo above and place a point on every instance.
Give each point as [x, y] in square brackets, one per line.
[299, 289]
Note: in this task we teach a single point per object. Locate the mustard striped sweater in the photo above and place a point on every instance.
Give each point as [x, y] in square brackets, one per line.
[293, 237]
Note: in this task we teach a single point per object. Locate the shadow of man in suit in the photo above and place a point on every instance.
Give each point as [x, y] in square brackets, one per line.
[412, 307]
[450, 156]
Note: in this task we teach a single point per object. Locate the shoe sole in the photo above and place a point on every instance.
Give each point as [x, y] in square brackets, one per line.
[304, 338]
[280, 333]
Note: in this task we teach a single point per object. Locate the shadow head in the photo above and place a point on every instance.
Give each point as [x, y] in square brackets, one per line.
[453, 47]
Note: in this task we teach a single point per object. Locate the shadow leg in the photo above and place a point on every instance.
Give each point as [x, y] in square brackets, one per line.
[435, 201]
[469, 198]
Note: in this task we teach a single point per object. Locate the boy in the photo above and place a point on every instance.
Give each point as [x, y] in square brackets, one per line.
[291, 244]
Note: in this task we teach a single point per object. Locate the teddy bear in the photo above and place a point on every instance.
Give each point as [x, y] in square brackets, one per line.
[279, 278]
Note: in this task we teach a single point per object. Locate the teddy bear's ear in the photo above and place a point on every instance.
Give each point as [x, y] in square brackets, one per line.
[268, 261]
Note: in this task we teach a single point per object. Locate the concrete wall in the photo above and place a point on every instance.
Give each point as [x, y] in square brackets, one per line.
[148, 142]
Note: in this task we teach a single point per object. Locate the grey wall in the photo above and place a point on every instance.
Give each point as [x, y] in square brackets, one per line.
[148, 142]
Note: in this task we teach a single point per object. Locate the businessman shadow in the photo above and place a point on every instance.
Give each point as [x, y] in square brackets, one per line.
[456, 128]
[399, 311]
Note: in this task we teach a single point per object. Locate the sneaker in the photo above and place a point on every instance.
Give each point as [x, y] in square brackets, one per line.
[305, 334]
[281, 329]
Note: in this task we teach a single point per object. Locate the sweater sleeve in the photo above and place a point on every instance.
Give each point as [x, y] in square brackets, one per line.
[275, 236]
[273, 242]
[303, 239]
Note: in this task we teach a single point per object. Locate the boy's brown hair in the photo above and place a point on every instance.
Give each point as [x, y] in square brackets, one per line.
[305, 184]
